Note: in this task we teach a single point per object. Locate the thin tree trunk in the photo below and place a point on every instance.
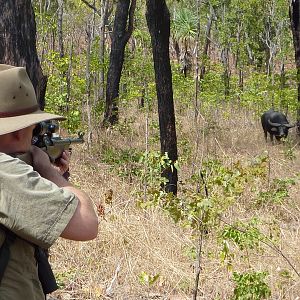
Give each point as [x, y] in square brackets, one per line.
[18, 42]
[197, 83]
[88, 83]
[68, 80]
[226, 73]
[238, 63]
[104, 11]
[60, 12]
[295, 25]
[158, 21]
[207, 42]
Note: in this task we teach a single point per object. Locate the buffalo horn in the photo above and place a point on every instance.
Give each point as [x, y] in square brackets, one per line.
[273, 124]
[290, 125]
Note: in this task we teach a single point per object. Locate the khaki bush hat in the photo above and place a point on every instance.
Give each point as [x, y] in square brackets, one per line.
[18, 103]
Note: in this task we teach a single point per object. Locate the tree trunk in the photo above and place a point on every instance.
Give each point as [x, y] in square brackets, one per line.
[295, 25]
[88, 82]
[60, 12]
[226, 73]
[197, 81]
[207, 42]
[18, 42]
[158, 21]
[104, 11]
[123, 26]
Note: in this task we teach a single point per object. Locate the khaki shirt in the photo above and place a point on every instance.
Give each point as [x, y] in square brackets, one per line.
[36, 210]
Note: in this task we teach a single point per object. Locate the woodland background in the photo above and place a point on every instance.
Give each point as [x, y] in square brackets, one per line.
[156, 108]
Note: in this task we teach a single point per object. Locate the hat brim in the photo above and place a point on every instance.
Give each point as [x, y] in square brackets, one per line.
[12, 124]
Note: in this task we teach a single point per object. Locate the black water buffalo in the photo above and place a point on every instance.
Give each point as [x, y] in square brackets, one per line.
[276, 124]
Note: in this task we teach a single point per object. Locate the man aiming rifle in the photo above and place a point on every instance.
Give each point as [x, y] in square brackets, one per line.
[37, 204]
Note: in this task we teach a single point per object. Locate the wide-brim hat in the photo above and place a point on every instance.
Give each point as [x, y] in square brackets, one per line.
[18, 103]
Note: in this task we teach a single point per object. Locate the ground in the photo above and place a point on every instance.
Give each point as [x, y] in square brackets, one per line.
[136, 245]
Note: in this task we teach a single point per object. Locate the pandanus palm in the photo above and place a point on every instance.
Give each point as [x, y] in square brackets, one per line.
[185, 32]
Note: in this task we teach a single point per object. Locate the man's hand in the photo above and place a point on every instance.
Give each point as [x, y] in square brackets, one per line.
[41, 163]
[62, 163]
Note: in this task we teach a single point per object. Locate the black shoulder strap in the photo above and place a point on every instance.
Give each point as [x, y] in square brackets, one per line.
[45, 272]
[4, 250]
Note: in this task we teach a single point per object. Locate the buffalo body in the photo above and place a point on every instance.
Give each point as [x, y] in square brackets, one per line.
[276, 124]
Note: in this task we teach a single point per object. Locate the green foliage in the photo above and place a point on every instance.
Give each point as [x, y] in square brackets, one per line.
[183, 88]
[95, 64]
[243, 235]
[250, 286]
[62, 278]
[154, 163]
[212, 87]
[190, 252]
[122, 161]
[196, 209]
[289, 149]
[57, 100]
[185, 23]
[45, 21]
[285, 274]
[147, 279]
[277, 193]
[137, 79]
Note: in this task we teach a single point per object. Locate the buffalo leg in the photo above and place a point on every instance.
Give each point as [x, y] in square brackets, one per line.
[266, 135]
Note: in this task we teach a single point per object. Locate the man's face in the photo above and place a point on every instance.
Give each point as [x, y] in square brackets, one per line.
[27, 137]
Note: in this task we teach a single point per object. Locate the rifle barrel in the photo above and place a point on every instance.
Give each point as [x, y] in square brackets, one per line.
[67, 141]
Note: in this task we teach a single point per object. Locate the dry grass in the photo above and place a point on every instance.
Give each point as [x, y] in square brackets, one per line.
[132, 240]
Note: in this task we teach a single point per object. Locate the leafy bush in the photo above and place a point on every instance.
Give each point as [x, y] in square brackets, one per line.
[250, 286]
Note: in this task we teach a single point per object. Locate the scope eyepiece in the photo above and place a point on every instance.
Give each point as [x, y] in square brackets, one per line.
[45, 127]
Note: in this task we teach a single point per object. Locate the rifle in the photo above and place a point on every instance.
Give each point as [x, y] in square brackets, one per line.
[45, 137]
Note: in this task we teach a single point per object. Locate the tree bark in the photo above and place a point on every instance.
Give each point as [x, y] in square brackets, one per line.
[89, 35]
[18, 42]
[60, 12]
[207, 42]
[295, 25]
[104, 12]
[123, 26]
[158, 21]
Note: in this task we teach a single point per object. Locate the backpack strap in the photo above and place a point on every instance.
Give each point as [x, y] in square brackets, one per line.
[45, 272]
[4, 250]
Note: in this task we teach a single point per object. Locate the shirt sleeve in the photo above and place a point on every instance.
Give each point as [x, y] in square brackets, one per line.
[31, 206]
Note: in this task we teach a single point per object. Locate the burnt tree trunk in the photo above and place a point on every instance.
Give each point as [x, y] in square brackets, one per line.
[158, 21]
[207, 42]
[123, 26]
[295, 25]
[18, 42]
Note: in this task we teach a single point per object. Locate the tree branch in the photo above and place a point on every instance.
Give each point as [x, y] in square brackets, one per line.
[92, 7]
[130, 20]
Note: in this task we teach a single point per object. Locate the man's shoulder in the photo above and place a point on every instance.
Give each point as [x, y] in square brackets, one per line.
[5, 157]
[12, 166]
[7, 161]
